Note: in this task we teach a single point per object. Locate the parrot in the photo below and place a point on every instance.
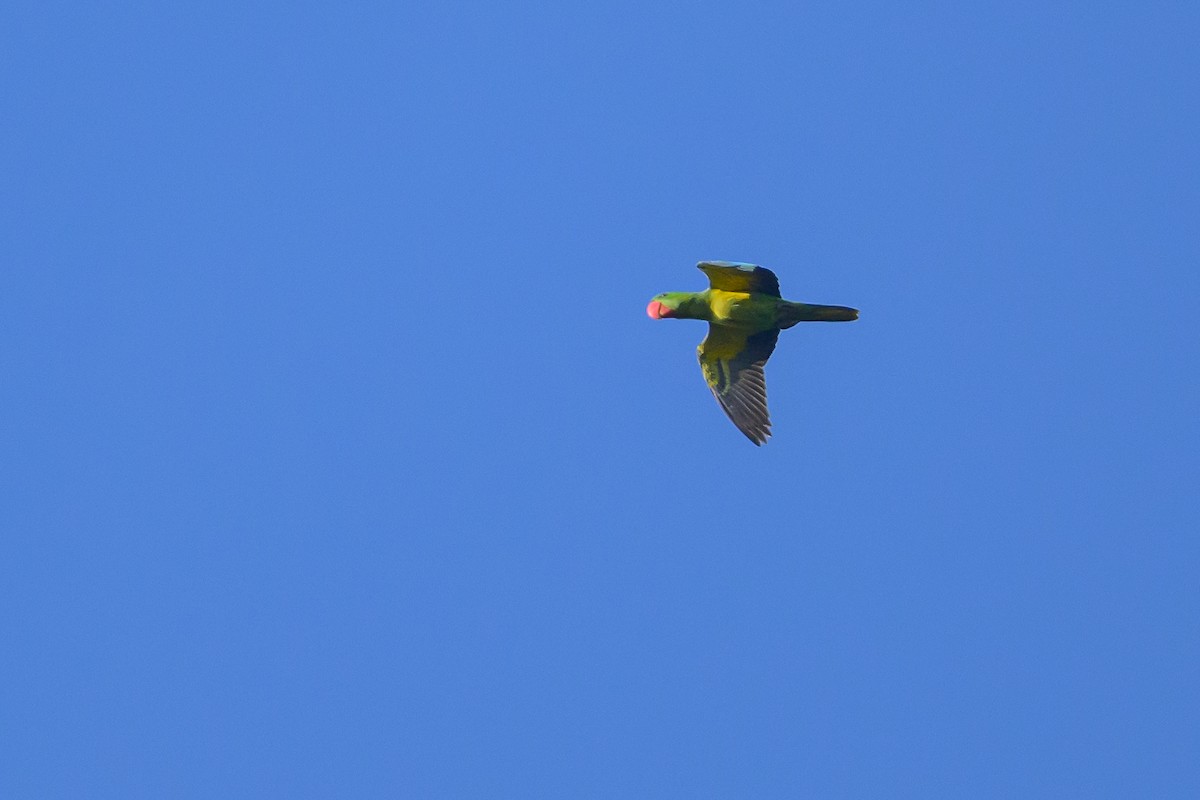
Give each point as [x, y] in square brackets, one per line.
[745, 314]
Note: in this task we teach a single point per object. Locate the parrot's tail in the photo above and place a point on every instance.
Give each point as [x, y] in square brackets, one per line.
[791, 313]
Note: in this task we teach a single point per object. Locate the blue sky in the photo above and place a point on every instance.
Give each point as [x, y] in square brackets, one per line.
[343, 461]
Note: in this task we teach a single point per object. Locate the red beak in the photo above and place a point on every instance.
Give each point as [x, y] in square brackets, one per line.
[657, 310]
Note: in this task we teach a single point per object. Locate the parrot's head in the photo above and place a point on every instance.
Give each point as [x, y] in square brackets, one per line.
[664, 306]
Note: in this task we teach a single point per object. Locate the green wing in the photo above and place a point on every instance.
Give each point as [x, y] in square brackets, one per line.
[732, 276]
[732, 363]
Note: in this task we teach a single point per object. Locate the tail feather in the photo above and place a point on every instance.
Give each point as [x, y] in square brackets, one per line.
[791, 313]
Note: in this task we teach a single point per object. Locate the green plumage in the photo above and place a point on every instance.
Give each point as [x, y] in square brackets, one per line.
[745, 313]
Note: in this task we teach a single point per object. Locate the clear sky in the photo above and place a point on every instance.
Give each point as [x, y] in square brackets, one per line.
[341, 459]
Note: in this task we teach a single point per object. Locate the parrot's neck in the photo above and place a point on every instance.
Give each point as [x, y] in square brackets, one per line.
[694, 305]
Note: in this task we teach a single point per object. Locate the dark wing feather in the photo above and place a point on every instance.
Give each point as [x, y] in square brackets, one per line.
[732, 276]
[732, 363]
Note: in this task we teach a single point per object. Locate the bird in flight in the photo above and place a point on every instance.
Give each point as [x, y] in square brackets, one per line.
[745, 314]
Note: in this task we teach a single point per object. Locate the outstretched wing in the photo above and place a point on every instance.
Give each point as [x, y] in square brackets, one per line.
[732, 363]
[733, 276]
